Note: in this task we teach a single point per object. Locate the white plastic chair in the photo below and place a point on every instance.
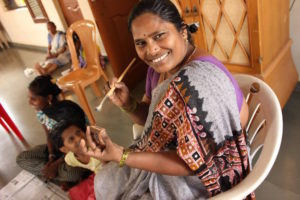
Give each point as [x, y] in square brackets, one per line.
[264, 129]
[137, 131]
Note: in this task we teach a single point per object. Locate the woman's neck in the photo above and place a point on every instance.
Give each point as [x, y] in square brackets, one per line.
[188, 57]
[53, 34]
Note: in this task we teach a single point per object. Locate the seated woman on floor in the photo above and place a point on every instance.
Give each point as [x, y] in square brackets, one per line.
[44, 160]
[57, 55]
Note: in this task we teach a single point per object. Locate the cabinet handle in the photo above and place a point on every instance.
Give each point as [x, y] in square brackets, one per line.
[187, 10]
[75, 9]
[195, 10]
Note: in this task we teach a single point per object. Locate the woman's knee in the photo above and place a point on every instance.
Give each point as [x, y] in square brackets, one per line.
[21, 158]
[71, 174]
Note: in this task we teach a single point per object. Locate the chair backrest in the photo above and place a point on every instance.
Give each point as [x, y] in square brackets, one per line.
[264, 131]
[86, 31]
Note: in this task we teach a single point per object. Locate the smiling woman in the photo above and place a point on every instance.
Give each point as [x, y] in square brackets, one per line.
[192, 121]
[161, 49]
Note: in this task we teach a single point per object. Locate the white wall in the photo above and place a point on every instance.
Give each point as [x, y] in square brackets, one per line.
[21, 29]
[295, 33]
[88, 14]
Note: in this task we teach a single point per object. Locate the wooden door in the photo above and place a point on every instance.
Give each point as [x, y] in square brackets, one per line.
[71, 11]
[248, 37]
[111, 18]
[228, 30]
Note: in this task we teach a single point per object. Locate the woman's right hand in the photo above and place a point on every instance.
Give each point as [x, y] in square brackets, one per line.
[105, 150]
[120, 96]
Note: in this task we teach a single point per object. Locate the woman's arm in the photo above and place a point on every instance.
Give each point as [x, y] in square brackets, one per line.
[61, 50]
[49, 145]
[168, 163]
[138, 111]
[49, 49]
[50, 170]
[160, 162]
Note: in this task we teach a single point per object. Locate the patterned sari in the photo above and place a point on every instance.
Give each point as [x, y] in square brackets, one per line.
[195, 113]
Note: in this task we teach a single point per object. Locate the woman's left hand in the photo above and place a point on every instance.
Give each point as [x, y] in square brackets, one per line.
[105, 151]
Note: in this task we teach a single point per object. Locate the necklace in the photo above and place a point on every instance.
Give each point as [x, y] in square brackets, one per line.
[191, 55]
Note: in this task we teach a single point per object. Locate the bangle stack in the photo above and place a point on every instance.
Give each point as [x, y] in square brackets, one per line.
[124, 157]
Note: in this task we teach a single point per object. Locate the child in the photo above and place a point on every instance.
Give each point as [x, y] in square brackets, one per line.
[43, 160]
[79, 50]
[66, 136]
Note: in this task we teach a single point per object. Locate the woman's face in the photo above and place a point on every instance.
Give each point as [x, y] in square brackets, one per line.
[158, 43]
[51, 28]
[37, 102]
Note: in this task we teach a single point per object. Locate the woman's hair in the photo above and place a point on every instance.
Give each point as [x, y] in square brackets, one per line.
[44, 86]
[76, 42]
[67, 110]
[165, 9]
[51, 23]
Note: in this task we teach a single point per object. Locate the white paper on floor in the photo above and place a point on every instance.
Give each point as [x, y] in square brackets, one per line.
[27, 186]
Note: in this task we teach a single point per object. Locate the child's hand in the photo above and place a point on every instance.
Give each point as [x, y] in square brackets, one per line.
[50, 170]
[110, 152]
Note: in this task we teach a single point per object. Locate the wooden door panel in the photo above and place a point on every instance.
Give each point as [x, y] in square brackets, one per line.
[111, 18]
[71, 11]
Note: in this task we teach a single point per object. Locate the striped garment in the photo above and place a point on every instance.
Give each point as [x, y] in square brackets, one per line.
[35, 159]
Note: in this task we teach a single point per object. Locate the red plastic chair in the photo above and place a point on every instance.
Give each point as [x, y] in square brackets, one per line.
[6, 121]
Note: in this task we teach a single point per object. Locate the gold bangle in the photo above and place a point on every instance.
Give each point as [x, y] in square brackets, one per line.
[124, 157]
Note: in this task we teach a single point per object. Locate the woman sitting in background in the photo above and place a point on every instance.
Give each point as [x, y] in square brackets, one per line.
[44, 160]
[57, 54]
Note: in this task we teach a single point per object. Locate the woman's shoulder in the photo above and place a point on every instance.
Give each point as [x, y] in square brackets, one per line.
[204, 75]
[201, 67]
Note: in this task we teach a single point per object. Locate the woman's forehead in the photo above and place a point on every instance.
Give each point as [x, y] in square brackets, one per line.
[32, 93]
[147, 24]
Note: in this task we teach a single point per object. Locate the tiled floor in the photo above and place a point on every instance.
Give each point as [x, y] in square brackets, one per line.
[282, 183]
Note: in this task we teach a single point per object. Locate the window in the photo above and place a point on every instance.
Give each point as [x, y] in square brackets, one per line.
[37, 11]
[14, 4]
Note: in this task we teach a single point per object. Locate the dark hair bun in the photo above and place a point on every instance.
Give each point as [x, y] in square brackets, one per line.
[193, 28]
